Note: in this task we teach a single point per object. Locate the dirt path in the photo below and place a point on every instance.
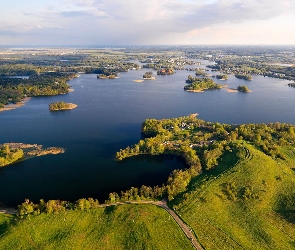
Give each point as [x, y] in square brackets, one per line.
[163, 204]
[187, 231]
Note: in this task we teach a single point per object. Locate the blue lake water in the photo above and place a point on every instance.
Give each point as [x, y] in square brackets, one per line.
[108, 118]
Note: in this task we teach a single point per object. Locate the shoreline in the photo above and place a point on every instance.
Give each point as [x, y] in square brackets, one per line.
[196, 91]
[15, 105]
[32, 150]
[231, 90]
[194, 115]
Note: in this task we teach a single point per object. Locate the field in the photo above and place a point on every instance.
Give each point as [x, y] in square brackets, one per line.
[115, 227]
[244, 207]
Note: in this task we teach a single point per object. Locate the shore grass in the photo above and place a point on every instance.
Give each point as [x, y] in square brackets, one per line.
[116, 227]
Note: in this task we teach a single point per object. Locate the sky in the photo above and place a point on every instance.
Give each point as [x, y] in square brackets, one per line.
[152, 22]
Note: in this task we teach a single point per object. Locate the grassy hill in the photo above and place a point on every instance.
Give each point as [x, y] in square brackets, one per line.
[115, 227]
[247, 206]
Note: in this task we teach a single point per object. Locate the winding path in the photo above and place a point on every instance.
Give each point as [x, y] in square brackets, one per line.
[187, 231]
[163, 204]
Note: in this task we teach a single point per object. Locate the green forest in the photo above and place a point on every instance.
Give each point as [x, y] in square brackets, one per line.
[13, 90]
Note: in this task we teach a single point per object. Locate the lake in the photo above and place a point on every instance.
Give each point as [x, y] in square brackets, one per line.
[109, 117]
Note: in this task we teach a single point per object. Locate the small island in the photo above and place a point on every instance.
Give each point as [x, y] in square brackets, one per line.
[102, 76]
[240, 88]
[243, 88]
[244, 76]
[148, 76]
[200, 84]
[13, 152]
[56, 106]
[221, 77]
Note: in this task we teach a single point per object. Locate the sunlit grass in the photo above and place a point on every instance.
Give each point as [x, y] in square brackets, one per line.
[225, 219]
[116, 227]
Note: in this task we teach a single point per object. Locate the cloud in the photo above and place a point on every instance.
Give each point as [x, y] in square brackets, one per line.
[143, 22]
[77, 14]
[175, 16]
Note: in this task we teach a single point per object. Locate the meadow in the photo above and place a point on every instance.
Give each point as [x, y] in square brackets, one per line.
[114, 227]
[247, 206]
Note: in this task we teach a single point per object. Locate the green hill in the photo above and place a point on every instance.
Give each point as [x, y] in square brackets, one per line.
[247, 206]
[115, 227]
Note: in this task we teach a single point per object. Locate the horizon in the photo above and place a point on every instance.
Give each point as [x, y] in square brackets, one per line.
[114, 46]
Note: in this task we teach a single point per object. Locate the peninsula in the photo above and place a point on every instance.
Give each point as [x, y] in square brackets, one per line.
[12, 106]
[13, 152]
[56, 106]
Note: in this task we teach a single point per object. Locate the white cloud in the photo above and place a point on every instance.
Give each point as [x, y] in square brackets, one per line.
[154, 21]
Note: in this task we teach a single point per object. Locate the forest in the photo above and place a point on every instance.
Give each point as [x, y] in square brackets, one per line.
[13, 90]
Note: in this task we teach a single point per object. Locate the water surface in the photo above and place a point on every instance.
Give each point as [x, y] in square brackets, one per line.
[108, 118]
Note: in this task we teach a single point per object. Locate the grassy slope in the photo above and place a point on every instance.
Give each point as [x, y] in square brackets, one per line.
[219, 220]
[117, 227]
[222, 223]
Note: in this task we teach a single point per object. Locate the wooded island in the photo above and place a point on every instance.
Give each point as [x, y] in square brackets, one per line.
[199, 84]
[56, 106]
